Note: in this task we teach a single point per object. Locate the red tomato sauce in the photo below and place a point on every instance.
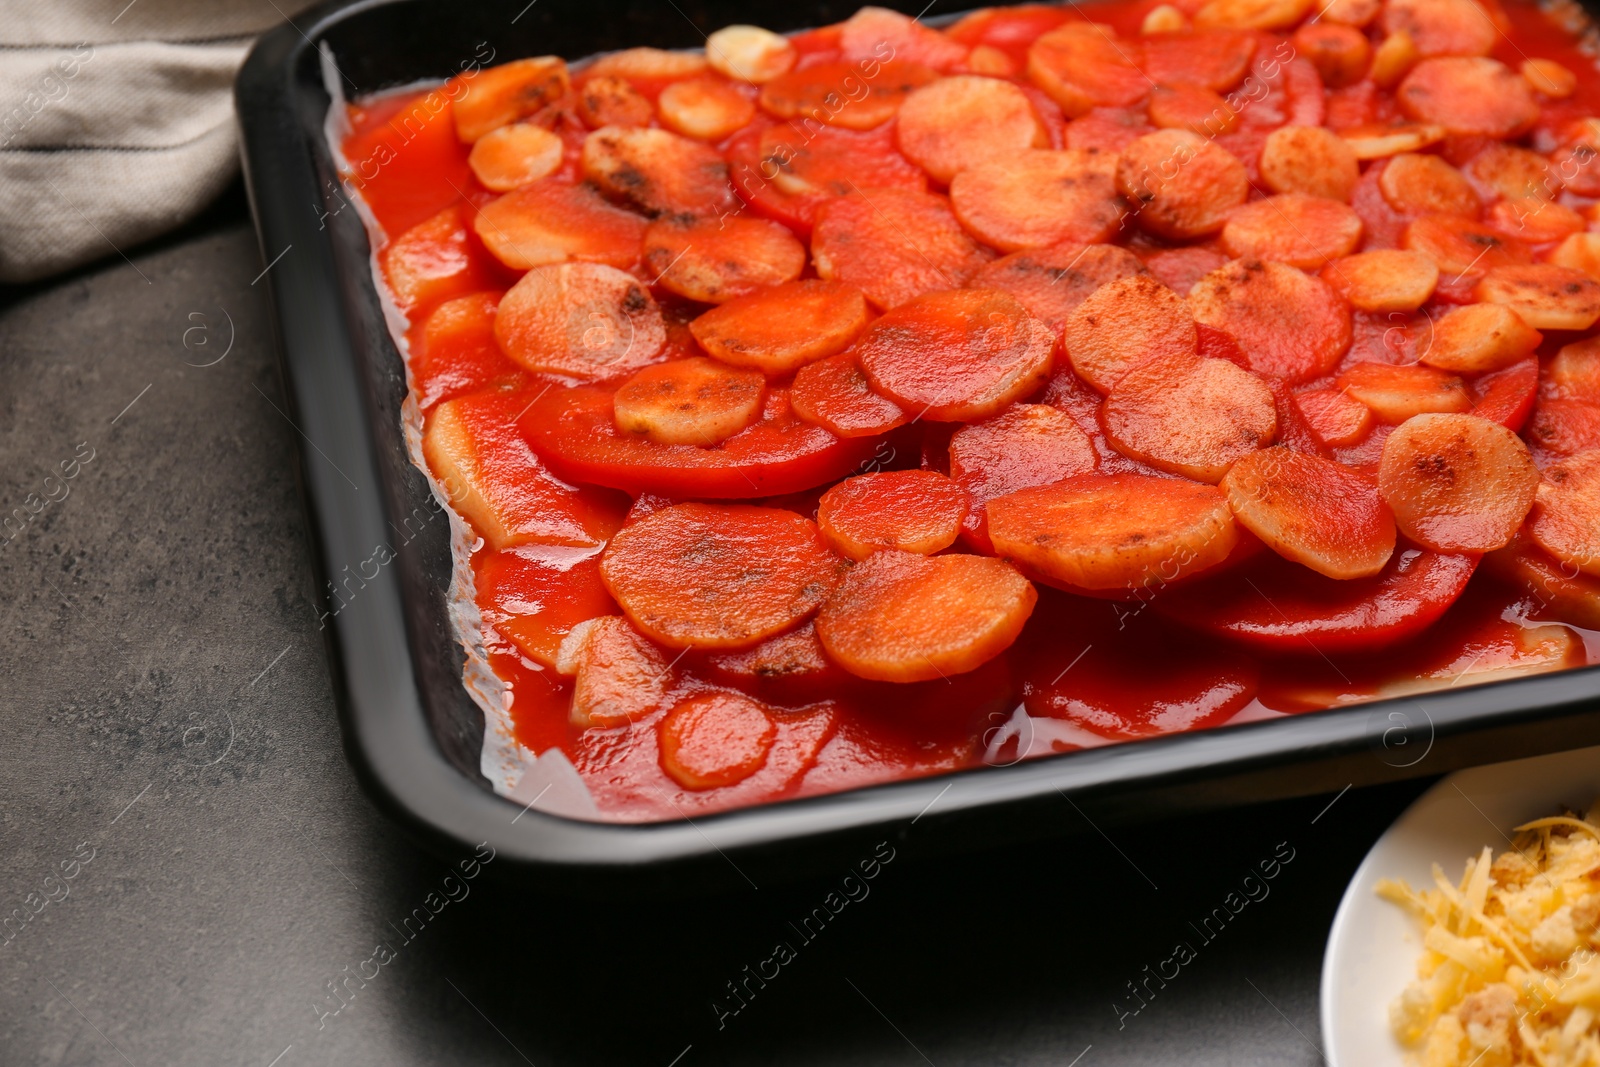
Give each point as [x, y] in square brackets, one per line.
[1254, 638]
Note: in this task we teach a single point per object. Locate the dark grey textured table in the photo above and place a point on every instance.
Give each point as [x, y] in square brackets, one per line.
[167, 712]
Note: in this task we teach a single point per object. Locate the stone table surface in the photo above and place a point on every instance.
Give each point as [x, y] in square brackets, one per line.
[169, 737]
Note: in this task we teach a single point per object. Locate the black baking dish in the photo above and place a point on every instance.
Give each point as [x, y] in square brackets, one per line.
[410, 728]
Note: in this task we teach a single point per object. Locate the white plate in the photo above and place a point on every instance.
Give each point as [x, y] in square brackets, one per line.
[1373, 946]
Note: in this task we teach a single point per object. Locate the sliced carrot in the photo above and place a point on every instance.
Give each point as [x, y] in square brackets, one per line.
[907, 511]
[1123, 324]
[829, 162]
[1416, 184]
[1289, 324]
[1460, 245]
[1035, 199]
[1024, 446]
[1566, 514]
[872, 31]
[1443, 27]
[790, 668]
[1309, 160]
[1190, 107]
[658, 170]
[1051, 282]
[1180, 184]
[1457, 483]
[534, 597]
[1478, 338]
[1190, 416]
[1313, 511]
[781, 329]
[1179, 268]
[648, 65]
[1341, 54]
[1336, 418]
[1565, 427]
[1109, 129]
[695, 401]
[512, 156]
[552, 221]
[1537, 221]
[1563, 591]
[834, 394]
[433, 261]
[1548, 77]
[1214, 59]
[1574, 373]
[1502, 170]
[718, 575]
[499, 96]
[604, 100]
[961, 121]
[893, 245]
[717, 260]
[1543, 295]
[750, 53]
[1387, 279]
[1083, 65]
[1302, 231]
[494, 480]
[840, 94]
[453, 352]
[1251, 14]
[716, 739]
[958, 355]
[707, 109]
[585, 320]
[1380, 142]
[1507, 396]
[902, 617]
[1123, 532]
[1395, 394]
[621, 675]
[1469, 95]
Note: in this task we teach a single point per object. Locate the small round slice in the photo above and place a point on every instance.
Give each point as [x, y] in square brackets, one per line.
[893, 245]
[1457, 483]
[1469, 96]
[1566, 513]
[958, 355]
[706, 109]
[1194, 417]
[1302, 231]
[620, 676]
[750, 53]
[1478, 338]
[606, 100]
[552, 221]
[902, 617]
[1114, 532]
[513, 156]
[585, 320]
[1083, 66]
[1033, 199]
[658, 170]
[1051, 282]
[1443, 27]
[1416, 184]
[1574, 374]
[1024, 446]
[1548, 77]
[907, 511]
[694, 401]
[716, 739]
[1289, 324]
[1396, 393]
[838, 94]
[718, 575]
[1123, 324]
[1543, 295]
[781, 329]
[1191, 107]
[716, 260]
[1460, 245]
[1310, 160]
[1341, 54]
[1336, 418]
[834, 394]
[1313, 511]
[1385, 279]
[1180, 184]
[958, 122]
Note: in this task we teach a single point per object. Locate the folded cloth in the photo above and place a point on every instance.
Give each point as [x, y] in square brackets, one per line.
[116, 121]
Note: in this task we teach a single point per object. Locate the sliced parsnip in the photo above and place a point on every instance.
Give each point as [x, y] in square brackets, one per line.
[1313, 511]
[1388, 279]
[1083, 66]
[1309, 160]
[658, 170]
[1468, 96]
[1395, 394]
[552, 221]
[704, 108]
[1289, 324]
[1459, 245]
[1378, 142]
[1124, 323]
[1180, 184]
[500, 95]
[1416, 184]
[585, 320]
[781, 329]
[1443, 27]
[1194, 417]
[1579, 252]
[1546, 296]
[1534, 219]
[1050, 282]
[1126, 532]
[1303, 231]
[750, 53]
[1574, 373]
[1163, 18]
[1457, 483]
[604, 100]
[514, 155]
[1340, 53]
[694, 401]
[620, 675]
[1479, 338]
[1035, 199]
[1502, 170]
[1566, 512]
[648, 64]
[717, 260]
[1548, 77]
[1393, 59]
[962, 121]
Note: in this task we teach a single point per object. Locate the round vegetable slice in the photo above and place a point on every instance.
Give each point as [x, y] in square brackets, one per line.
[1566, 512]
[1082, 65]
[1478, 338]
[1189, 416]
[515, 155]
[1502, 170]
[902, 617]
[552, 221]
[1565, 427]
[1563, 590]
[873, 30]
[575, 431]
[1468, 96]
[534, 597]
[1457, 483]
[1109, 129]
[1543, 295]
[1337, 419]
[1311, 510]
[1192, 108]
[1537, 221]
[585, 320]
[704, 108]
[648, 65]
[781, 329]
[604, 100]
[1033, 199]
[1180, 184]
[840, 94]
[831, 162]
[1548, 77]
[833, 393]
[1302, 231]
[958, 122]
[1460, 245]
[1251, 14]
[1309, 160]
[1574, 373]
[658, 170]
[958, 355]
[1443, 27]
[908, 511]
[716, 739]
[1385, 279]
[1416, 184]
[1341, 54]
[1024, 446]
[716, 260]
[718, 575]
[1395, 394]
[1051, 282]
[1276, 605]
[497, 96]
[1507, 396]
[1125, 323]
[1289, 324]
[749, 53]
[1214, 59]
[1379, 142]
[1122, 532]
[893, 245]
[620, 675]
[695, 401]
